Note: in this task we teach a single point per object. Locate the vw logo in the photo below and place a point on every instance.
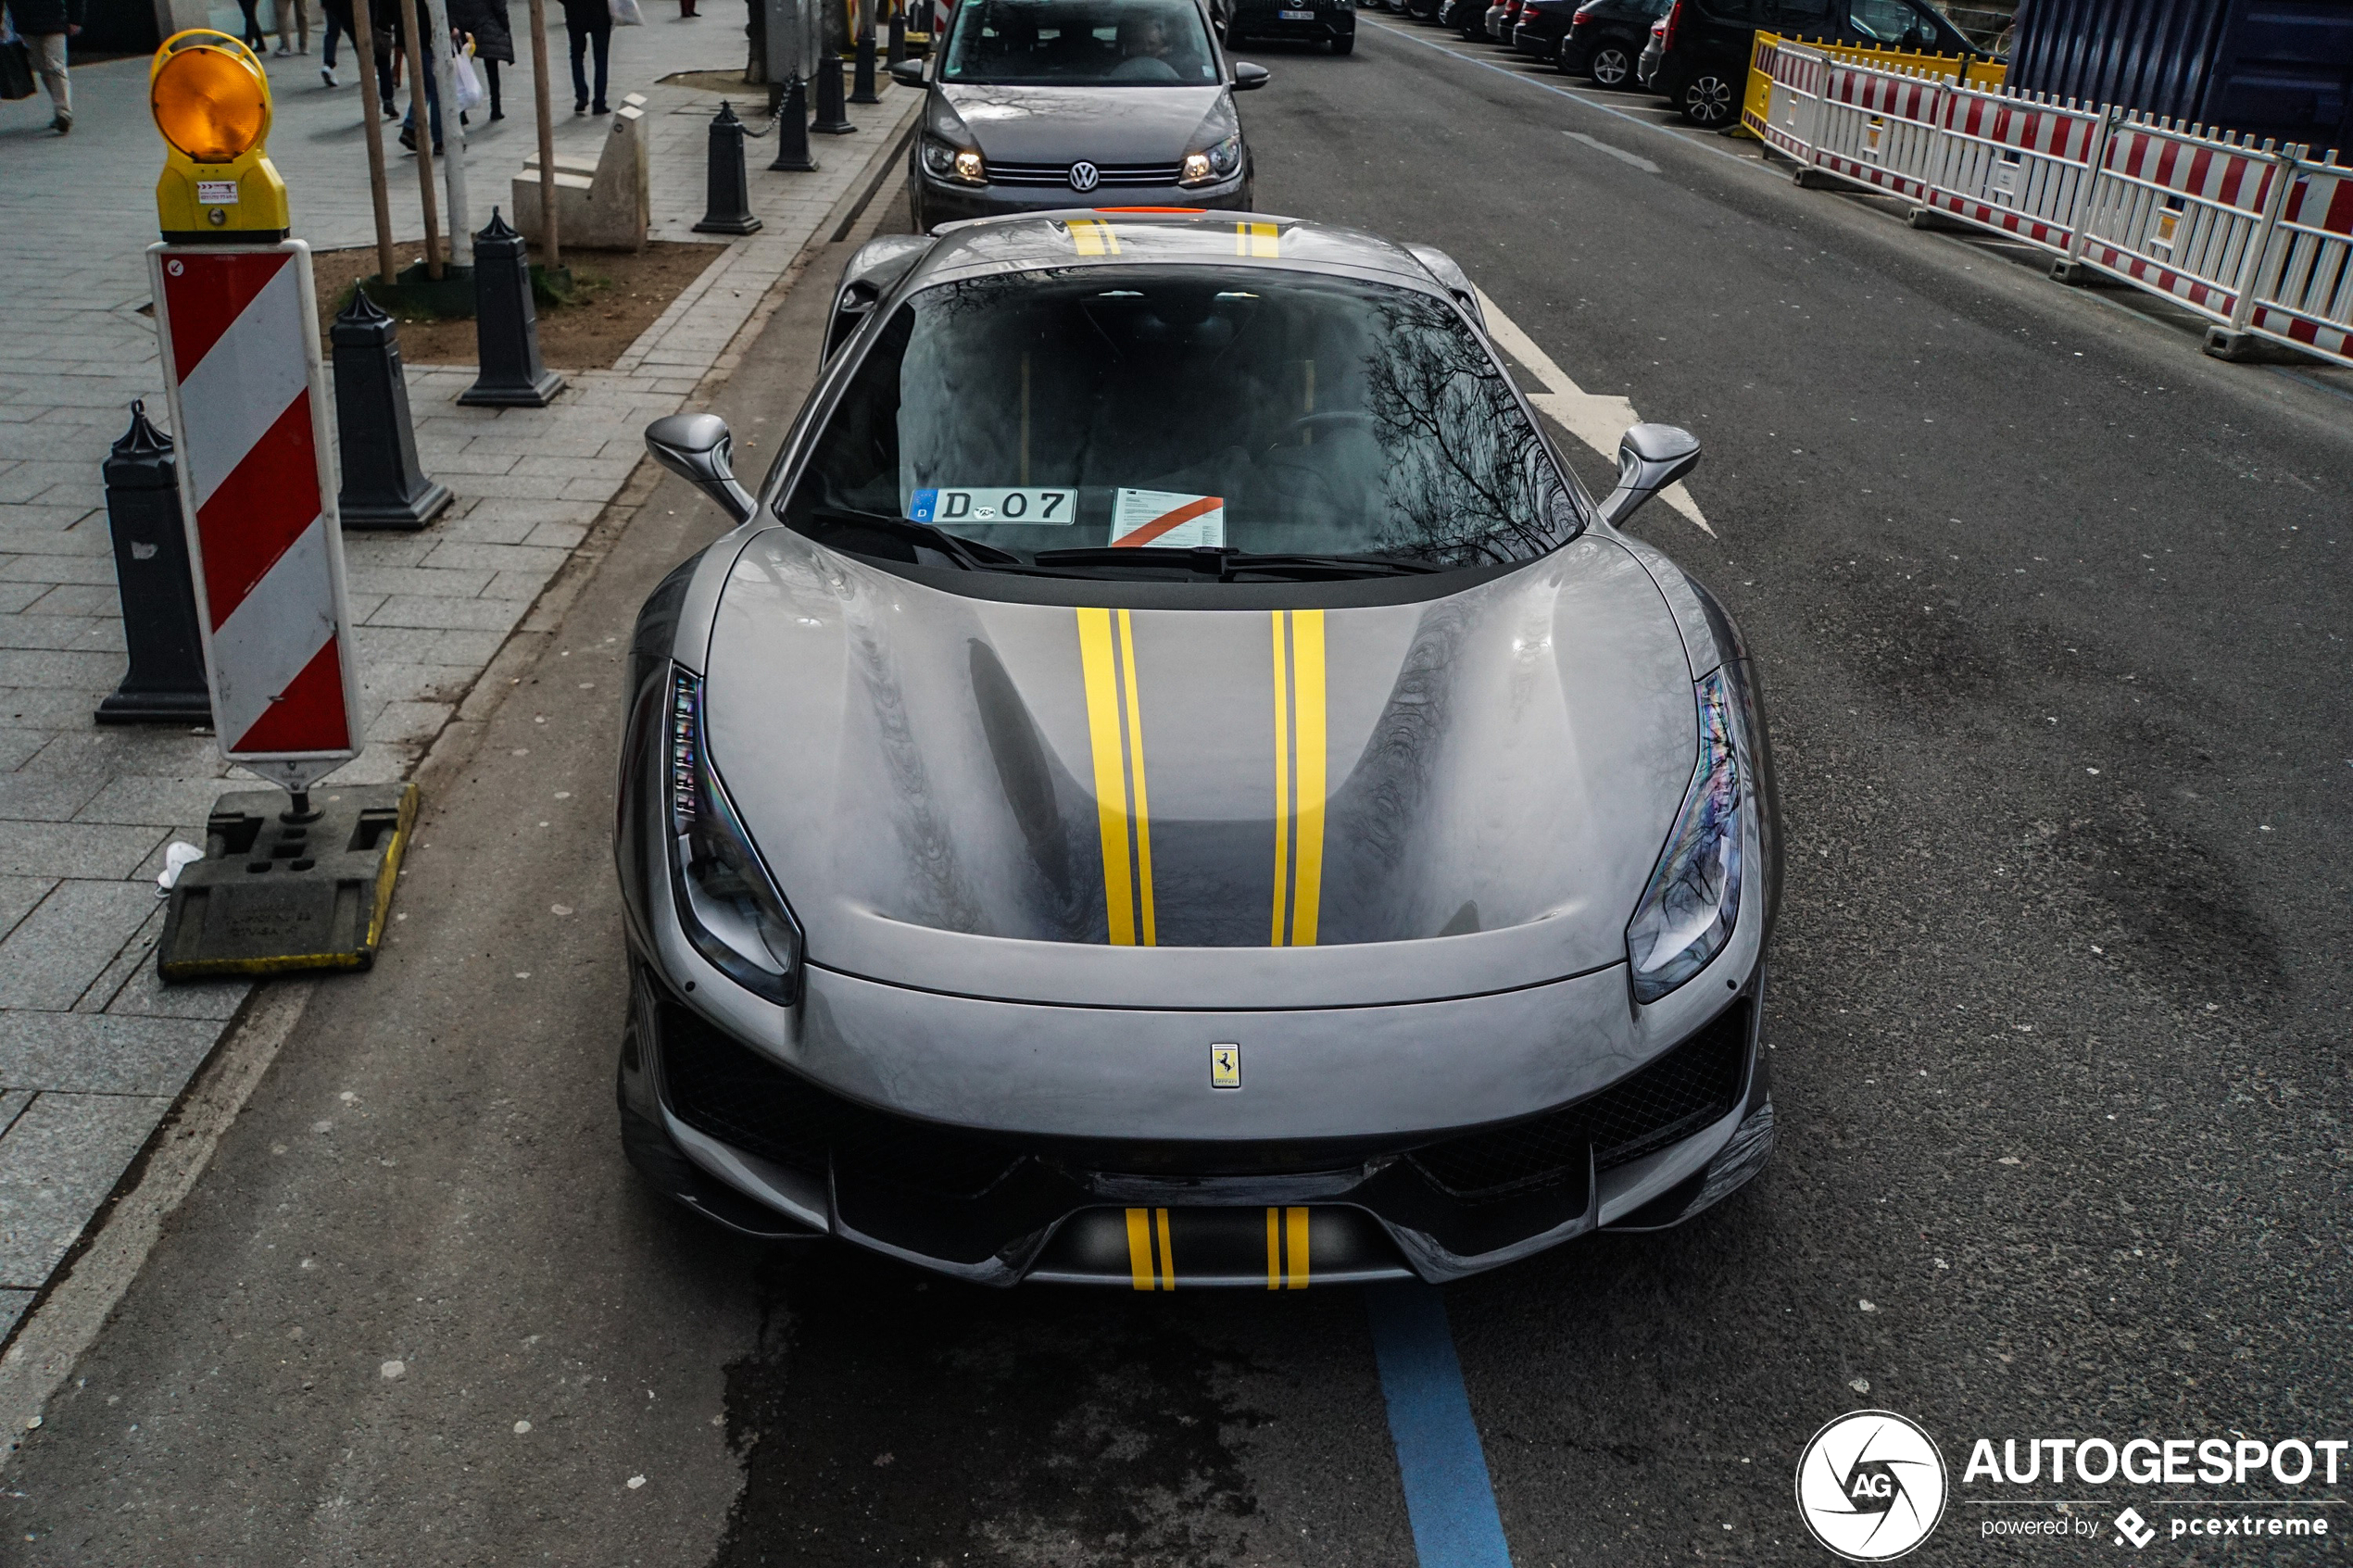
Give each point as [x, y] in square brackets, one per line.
[1084, 176]
[1870, 1485]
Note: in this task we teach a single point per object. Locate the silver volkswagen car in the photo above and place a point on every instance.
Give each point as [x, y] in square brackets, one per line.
[1171, 783]
[1034, 104]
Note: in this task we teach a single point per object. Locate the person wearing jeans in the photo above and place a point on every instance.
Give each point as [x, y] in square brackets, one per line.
[46, 25]
[338, 13]
[590, 24]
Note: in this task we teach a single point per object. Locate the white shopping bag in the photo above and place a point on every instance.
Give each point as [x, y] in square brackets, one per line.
[467, 75]
[625, 14]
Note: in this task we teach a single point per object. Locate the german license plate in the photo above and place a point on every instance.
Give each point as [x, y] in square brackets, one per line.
[1294, 16]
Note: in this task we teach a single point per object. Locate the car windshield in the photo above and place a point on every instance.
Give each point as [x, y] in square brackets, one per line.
[1088, 43]
[1128, 422]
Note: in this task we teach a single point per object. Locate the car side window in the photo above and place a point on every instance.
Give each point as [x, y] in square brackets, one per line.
[1735, 13]
[1799, 16]
[1891, 21]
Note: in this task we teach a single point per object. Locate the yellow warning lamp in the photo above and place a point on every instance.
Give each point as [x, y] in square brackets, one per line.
[211, 101]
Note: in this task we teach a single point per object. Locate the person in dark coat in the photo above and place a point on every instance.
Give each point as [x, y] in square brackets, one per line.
[485, 21]
[590, 24]
[46, 24]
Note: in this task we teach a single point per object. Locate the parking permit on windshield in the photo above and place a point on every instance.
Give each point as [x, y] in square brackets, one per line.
[968, 506]
[1167, 519]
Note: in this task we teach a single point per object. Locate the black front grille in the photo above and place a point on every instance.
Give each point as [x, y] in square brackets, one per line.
[1676, 1096]
[1109, 175]
[718, 1087]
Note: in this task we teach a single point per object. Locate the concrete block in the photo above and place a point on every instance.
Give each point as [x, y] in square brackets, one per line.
[56, 1165]
[603, 206]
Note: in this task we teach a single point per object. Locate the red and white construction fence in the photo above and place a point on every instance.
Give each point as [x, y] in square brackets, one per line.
[2258, 239]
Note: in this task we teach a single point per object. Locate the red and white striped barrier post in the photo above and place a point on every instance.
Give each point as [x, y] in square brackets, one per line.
[248, 401]
[248, 398]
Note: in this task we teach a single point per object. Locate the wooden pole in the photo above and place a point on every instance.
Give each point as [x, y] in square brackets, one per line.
[421, 119]
[363, 44]
[550, 250]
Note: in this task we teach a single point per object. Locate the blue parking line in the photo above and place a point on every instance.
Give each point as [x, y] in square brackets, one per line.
[1449, 1498]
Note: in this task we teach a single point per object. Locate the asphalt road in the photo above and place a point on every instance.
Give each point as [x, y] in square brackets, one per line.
[2051, 614]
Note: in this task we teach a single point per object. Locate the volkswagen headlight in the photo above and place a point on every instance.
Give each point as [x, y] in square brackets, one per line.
[1214, 163]
[728, 905]
[942, 161]
[1687, 913]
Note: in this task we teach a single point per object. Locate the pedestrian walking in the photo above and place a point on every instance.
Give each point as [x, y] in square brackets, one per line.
[298, 11]
[383, 22]
[589, 22]
[485, 21]
[253, 37]
[338, 15]
[46, 24]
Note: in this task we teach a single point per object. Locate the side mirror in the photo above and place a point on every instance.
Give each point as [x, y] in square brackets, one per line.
[696, 447]
[908, 73]
[1650, 457]
[1247, 76]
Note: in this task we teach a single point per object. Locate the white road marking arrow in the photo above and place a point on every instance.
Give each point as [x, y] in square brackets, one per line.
[1593, 417]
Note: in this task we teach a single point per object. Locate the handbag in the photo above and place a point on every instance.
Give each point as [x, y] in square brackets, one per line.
[16, 69]
[626, 14]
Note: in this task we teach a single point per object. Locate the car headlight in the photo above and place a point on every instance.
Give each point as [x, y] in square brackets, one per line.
[1687, 913]
[962, 164]
[1214, 163]
[731, 910]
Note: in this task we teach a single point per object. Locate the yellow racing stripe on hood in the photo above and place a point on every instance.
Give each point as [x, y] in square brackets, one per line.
[1115, 736]
[1299, 775]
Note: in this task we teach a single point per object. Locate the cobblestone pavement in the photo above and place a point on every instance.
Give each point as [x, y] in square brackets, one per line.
[93, 1049]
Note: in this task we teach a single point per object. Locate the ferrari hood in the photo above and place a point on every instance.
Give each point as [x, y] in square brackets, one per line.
[1193, 807]
[1103, 125]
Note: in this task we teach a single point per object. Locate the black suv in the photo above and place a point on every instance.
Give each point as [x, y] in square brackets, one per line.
[1601, 39]
[1699, 55]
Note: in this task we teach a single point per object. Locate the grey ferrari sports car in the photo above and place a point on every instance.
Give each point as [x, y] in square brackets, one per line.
[1171, 783]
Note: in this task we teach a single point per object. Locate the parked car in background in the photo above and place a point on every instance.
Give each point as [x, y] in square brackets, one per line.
[1468, 18]
[1699, 52]
[1499, 20]
[1601, 38]
[1296, 21]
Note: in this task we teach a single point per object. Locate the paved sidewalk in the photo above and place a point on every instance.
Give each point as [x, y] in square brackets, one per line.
[93, 1050]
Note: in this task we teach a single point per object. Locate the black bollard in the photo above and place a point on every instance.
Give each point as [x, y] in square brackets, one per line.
[863, 90]
[833, 118]
[898, 35]
[793, 155]
[166, 682]
[383, 484]
[506, 326]
[727, 204]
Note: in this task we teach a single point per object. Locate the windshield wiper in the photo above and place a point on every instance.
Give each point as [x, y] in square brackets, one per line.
[970, 554]
[1221, 564]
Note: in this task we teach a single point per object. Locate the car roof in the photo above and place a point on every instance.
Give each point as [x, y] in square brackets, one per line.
[1117, 236]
